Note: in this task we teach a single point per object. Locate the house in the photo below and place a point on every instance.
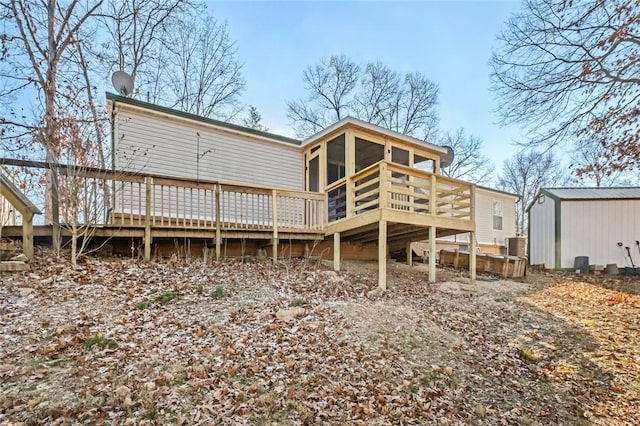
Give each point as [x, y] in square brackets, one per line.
[495, 217]
[353, 190]
[565, 223]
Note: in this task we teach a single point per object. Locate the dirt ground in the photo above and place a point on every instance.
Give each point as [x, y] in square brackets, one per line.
[119, 341]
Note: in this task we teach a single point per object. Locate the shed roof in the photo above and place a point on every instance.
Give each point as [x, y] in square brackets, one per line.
[618, 193]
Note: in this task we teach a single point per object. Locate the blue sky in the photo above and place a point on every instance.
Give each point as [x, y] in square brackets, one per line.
[448, 41]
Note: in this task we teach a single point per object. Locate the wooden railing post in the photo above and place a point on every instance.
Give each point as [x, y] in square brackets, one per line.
[147, 219]
[274, 213]
[384, 185]
[433, 196]
[218, 230]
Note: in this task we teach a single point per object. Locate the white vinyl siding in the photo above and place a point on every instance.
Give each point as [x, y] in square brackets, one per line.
[594, 228]
[542, 232]
[148, 142]
[485, 233]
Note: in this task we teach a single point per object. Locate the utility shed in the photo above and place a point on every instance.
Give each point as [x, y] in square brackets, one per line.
[569, 222]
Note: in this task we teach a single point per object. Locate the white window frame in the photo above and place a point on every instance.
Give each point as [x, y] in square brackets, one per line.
[498, 215]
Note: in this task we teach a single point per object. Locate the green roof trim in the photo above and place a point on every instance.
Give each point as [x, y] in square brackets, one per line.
[177, 113]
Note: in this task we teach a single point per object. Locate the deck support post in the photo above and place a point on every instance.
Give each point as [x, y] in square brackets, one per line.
[382, 256]
[409, 254]
[147, 219]
[432, 254]
[274, 215]
[27, 236]
[218, 230]
[472, 256]
[336, 251]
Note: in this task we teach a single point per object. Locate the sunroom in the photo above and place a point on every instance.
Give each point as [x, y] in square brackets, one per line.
[385, 187]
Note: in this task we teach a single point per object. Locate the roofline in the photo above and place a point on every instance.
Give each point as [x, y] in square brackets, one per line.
[540, 192]
[547, 191]
[498, 191]
[210, 121]
[371, 127]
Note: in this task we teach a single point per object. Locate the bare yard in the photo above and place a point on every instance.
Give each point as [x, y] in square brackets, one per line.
[125, 342]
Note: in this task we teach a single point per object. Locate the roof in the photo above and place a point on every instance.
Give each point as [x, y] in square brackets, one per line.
[371, 127]
[619, 193]
[499, 191]
[177, 113]
[14, 195]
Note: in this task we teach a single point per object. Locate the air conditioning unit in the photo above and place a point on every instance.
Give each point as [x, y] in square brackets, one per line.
[517, 246]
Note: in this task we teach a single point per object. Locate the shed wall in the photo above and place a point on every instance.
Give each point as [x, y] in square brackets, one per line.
[593, 228]
[542, 232]
[161, 144]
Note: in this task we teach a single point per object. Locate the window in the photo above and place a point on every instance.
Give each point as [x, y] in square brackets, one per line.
[367, 153]
[335, 159]
[424, 163]
[314, 175]
[497, 215]
[400, 156]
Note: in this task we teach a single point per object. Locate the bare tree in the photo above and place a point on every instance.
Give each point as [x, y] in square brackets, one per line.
[330, 86]
[204, 77]
[572, 68]
[339, 87]
[79, 196]
[135, 30]
[378, 97]
[413, 111]
[468, 164]
[254, 120]
[193, 70]
[40, 35]
[589, 162]
[525, 174]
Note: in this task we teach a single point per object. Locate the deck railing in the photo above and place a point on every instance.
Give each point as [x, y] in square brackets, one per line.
[91, 196]
[191, 204]
[112, 198]
[393, 186]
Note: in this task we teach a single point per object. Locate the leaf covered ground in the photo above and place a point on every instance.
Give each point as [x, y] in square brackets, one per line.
[120, 341]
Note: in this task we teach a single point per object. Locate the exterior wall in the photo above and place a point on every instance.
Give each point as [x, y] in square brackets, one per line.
[157, 143]
[542, 232]
[485, 234]
[593, 228]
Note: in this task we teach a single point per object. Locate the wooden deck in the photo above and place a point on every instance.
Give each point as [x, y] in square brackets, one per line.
[386, 203]
[395, 205]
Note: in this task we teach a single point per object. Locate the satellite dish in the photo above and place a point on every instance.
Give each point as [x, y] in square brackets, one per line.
[122, 82]
[446, 159]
